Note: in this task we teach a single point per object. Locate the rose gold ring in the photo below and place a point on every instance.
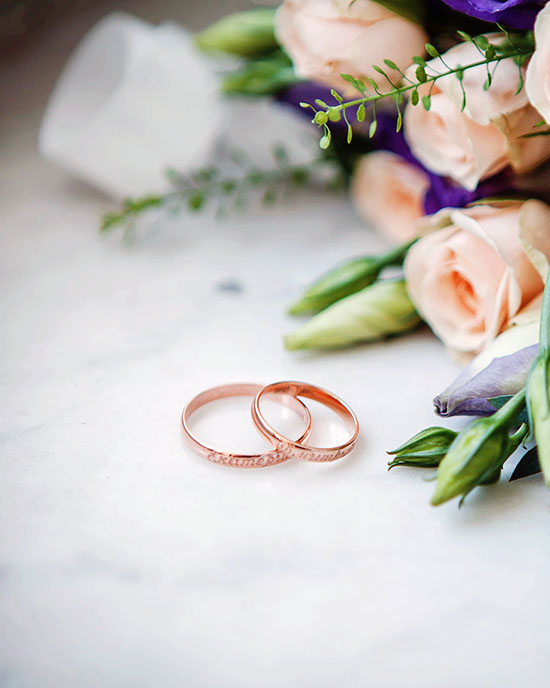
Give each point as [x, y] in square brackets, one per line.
[268, 458]
[297, 448]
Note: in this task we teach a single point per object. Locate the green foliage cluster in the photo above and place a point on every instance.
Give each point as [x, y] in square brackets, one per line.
[516, 47]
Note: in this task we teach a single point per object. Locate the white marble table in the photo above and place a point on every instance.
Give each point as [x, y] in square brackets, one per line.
[127, 561]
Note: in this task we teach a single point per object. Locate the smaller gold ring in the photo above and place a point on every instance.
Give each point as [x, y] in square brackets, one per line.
[297, 448]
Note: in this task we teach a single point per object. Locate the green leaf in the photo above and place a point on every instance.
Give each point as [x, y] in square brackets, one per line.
[482, 42]
[372, 128]
[336, 95]
[499, 402]
[414, 97]
[465, 36]
[261, 77]
[399, 123]
[196, 200]
[391, 64]
[361, 113]
[373, 83]
[421, 74]
[432, 50]
[520, 84]
[324, 143]
[426, 102]
[527, 465]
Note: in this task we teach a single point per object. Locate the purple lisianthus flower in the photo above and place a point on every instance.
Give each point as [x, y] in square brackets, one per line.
[470, 393]
[517, 14]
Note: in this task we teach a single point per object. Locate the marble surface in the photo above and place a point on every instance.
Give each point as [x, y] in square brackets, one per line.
[127, 561]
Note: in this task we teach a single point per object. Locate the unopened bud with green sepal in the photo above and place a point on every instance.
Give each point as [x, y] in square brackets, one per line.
[479, 451]
[378, 311]
[245, 34]
[347, 279]
[427, 448]
[538, 389]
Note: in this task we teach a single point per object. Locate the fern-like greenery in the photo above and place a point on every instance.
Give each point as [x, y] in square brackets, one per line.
[518, 47]
[229, 189]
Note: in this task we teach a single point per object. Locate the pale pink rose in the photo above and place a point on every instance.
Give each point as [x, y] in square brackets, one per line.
[471, 277]
[389, 192]
[487, 136]
[326, 38]
[537, 82]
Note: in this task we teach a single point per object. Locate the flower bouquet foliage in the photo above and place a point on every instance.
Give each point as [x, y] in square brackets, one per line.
[436, 114]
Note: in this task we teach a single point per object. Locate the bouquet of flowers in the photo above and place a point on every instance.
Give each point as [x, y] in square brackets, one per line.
[435, 113]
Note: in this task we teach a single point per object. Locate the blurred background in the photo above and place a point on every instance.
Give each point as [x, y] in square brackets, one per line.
[37, 37]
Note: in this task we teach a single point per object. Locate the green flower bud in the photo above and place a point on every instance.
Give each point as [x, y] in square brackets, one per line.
[347, 279]
[261, 77]
[380, 310]
[427, 448]
[338, 283]
[479, 452]
[321, 117]
[245, 34]
[538, 399]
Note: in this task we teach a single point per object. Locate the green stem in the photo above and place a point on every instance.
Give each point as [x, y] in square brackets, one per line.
[195, 191]
[372, 98]
[395, 256]
[511, 409]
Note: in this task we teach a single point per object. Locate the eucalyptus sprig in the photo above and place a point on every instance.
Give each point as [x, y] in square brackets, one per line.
[213, 183]
[518, 47]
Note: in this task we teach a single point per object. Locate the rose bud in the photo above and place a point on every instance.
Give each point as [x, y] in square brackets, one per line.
[378, 311]
[346, 279]
[245, 34]
[478, 453]
[427, 448]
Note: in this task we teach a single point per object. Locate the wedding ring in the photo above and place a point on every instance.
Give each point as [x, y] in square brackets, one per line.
[268, 458]
[298, 448]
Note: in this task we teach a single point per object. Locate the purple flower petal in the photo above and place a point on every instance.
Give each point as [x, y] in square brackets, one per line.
[469, 394]
[519, 14]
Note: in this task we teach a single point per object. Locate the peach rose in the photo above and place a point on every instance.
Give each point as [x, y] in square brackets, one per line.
[389, 192]
[486, 137]
[469, 279]
[326, 38]
[537, 82]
